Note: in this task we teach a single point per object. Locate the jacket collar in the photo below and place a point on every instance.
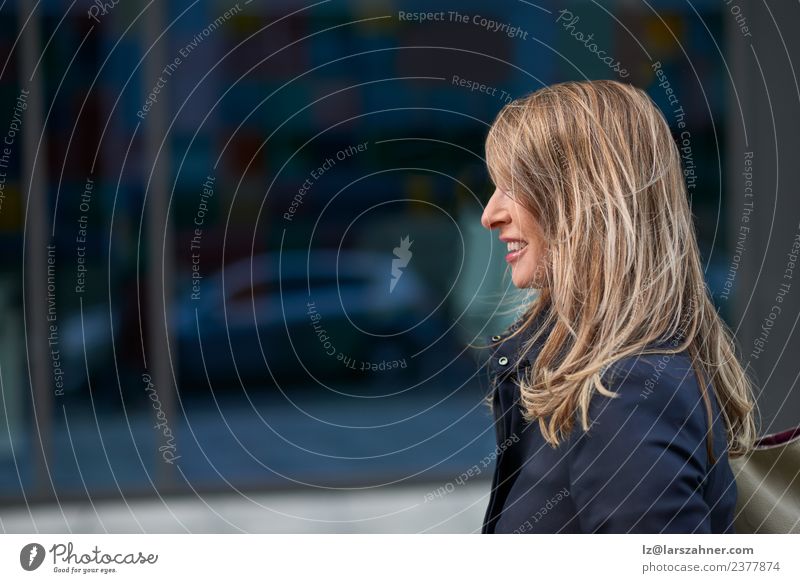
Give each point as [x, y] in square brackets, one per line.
[505, 349]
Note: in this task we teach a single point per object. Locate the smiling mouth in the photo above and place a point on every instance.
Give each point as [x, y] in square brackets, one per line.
[515, 249]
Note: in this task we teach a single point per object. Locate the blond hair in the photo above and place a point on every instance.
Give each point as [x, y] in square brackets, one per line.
[596, 164]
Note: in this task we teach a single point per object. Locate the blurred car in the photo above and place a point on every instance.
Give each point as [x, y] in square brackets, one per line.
[310, 317]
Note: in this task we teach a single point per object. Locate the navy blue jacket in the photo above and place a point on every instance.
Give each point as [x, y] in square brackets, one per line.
[642, 467]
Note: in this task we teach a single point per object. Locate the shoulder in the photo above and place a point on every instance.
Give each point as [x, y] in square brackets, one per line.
[641, 465]
[652, 391]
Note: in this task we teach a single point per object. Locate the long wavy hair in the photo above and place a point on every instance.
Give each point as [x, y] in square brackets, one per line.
[596, 164]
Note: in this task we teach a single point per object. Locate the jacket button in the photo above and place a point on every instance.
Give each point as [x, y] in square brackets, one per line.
[503, 361]
[495, 338]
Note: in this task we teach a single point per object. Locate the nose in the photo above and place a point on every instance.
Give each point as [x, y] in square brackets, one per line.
[495, 214]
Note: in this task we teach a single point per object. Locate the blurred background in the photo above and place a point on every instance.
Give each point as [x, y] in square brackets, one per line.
[243, 278]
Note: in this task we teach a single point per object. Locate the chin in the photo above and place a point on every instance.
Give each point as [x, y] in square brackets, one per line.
[521, 281]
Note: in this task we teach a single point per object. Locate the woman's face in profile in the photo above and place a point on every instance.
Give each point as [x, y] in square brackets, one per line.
[520, 232]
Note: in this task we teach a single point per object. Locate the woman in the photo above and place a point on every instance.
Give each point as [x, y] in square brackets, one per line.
[617, 394]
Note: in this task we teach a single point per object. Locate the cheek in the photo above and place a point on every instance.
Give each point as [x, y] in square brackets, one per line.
[533, 261]
[538, 257]
[540, 253]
